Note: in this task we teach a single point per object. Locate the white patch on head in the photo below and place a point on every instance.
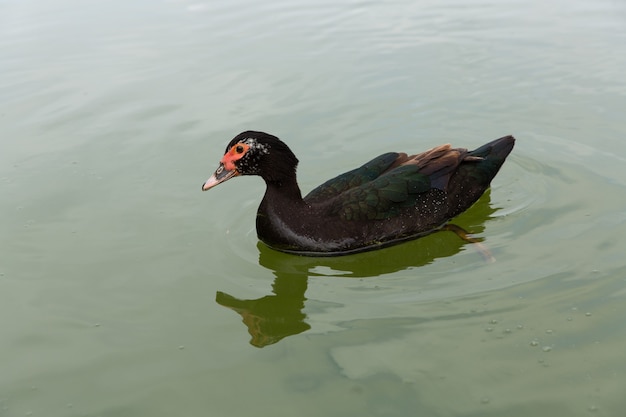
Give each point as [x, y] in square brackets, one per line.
[261, 148]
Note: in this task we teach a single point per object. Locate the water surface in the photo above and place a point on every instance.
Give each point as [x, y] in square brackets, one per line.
[125, 291]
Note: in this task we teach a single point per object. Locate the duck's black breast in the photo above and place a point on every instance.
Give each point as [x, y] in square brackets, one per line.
[299, 227]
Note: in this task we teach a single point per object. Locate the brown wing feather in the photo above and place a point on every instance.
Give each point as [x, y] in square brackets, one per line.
[439, 163]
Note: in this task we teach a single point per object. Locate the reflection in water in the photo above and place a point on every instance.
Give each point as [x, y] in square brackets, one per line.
[274, 317]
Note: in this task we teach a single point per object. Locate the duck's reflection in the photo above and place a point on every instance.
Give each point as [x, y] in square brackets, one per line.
[274, 317]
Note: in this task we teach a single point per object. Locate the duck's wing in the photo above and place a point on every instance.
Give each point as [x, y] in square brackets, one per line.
[403, 184]
[353, 179]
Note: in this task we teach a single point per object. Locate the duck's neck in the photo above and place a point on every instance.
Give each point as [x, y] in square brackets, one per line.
[281, 212]
[285, 190]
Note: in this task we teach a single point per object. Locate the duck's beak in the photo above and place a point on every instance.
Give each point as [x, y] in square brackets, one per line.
[221, 174]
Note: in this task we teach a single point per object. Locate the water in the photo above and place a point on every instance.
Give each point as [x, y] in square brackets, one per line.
[125, 291]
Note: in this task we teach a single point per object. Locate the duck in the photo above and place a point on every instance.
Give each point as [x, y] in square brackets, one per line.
[393, 198]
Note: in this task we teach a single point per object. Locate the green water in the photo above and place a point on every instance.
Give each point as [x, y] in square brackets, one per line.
[126, 291]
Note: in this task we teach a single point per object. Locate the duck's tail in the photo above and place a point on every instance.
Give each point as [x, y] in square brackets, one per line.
[497, 149]
[489, 158]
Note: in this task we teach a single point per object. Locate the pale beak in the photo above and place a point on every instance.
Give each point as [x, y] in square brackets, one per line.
[221, 174]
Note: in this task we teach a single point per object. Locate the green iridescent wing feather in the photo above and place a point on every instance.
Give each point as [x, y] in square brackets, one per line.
[351, 179]
[383, 197]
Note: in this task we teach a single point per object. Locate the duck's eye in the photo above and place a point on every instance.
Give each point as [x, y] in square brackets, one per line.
[239, 149]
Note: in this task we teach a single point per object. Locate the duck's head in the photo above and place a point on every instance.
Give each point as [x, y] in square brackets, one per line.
[254, 153]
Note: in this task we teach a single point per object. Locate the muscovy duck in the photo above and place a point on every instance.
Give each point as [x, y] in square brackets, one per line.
[392, 198]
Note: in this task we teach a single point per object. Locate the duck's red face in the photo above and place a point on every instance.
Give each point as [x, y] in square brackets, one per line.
[241, 158]
[228, 166]
[233, 155]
